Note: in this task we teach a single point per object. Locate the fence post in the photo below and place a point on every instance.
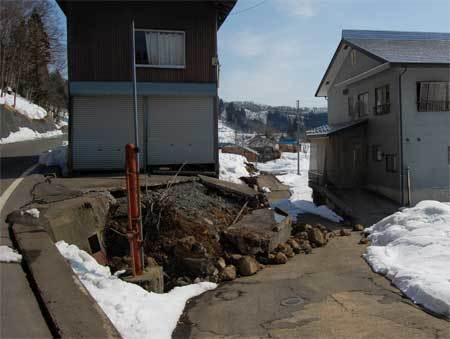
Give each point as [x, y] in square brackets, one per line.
[134, 211]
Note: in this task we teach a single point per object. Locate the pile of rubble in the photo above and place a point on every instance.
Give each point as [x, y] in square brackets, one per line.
[199, 232]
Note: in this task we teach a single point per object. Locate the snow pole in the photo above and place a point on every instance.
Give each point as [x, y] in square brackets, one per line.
[134, 234]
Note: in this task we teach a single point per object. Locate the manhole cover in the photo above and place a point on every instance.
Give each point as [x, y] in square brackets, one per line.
[292, 301]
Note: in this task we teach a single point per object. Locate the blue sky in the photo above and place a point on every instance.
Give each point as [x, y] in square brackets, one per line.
[278, 51]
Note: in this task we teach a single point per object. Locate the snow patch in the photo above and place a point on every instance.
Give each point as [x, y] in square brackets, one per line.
[135, 312]
[232, 167]
[25, 133]
[300, 201]
[23, 106]
[412, 249]
[7, 254]
[34, 212]
[56, 157]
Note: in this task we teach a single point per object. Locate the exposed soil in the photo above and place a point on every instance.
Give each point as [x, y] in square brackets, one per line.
[180, 223]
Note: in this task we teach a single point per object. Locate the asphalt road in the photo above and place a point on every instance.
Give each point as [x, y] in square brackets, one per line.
[20, 315]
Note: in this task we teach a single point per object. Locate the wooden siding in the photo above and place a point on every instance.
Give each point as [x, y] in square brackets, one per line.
[99, 40]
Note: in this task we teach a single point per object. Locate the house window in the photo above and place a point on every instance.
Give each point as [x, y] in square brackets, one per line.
[160, 49]
[432, 96]
[391, 163]
[377, 155]
[382, 100]
[353, 57]
[351, 106]
[363, 104]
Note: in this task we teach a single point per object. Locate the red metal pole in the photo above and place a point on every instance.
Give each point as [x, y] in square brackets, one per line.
[134, 211]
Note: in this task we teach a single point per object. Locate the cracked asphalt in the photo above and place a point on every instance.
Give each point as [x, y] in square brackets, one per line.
[335, 295]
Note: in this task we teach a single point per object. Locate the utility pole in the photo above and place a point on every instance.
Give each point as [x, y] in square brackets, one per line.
[298, 137]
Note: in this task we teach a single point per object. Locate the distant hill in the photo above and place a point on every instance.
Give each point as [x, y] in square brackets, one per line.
[259, 118]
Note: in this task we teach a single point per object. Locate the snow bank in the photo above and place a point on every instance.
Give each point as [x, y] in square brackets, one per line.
[7, 254]
[135, 312]
[56, 157]
[301, 194]
[412, 248]
[226, 134]
[23, 106]
[25, 133]
[232, 167]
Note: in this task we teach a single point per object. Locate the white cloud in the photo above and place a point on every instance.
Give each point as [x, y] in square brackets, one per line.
[303, 8]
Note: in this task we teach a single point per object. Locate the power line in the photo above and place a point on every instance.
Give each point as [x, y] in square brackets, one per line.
[249, 8]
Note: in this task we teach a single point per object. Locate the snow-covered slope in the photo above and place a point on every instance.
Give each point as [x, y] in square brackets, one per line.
[412, 249]
[226, 134]
[261, 116]
[136, 313]
[23, 106]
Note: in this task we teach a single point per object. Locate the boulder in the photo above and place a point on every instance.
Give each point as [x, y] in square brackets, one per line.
[358, 228]
[248, 265]
[280, 258]
[316, 237]
[344, 232]
[228, 273]
[221, 264]
[258, 232]
[364, 241]
[295, 246]
[286, 249]
[306, 247]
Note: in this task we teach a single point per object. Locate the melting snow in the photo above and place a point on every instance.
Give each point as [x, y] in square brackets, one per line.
[7, 254]
[301, 194]
[232, 167]
[412, 249]
[135, 312]
[23, 106]
[26, 133]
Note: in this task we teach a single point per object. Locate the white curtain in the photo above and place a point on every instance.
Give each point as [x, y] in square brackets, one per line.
[165, 48]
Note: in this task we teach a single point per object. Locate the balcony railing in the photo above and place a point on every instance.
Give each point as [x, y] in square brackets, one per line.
[433, 106]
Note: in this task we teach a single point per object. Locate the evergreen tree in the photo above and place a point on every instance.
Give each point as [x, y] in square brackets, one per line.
[39, 58]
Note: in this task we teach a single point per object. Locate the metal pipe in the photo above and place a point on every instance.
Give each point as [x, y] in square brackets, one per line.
[402, 179]
[134, 212]
[136, 123]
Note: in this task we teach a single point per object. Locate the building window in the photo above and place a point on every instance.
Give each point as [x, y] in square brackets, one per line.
[382, 100]
[377, 155]
[351, 106]
[432, 96]
[160, 49]
[391, 163]
[363, 104]
[353, 57]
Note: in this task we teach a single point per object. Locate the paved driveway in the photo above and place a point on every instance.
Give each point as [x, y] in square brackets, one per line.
[331, 293]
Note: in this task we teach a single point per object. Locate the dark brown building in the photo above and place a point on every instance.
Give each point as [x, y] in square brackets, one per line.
[176, 70]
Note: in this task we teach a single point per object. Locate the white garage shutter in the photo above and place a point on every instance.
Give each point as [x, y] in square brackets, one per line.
[102, 126]
[180, 129]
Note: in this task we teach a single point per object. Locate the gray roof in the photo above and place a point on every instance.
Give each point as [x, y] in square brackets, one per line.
[402, 47]
[325, 130]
